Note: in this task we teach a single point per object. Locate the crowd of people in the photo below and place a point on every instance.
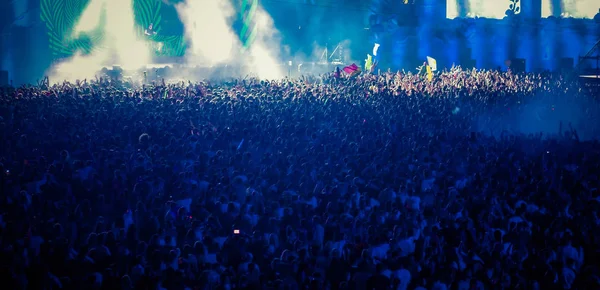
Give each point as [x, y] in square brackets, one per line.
[386, 181]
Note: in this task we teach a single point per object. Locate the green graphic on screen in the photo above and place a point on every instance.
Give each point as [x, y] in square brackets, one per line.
[249, 27]
[61, 16]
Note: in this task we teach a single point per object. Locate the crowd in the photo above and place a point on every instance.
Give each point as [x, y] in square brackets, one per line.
[384, 181]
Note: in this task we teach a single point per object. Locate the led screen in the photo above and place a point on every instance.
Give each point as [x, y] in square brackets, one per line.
[495, 9]
[570, 8]
[76, 25]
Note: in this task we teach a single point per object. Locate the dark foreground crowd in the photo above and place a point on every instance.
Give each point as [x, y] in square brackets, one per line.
[376, 182]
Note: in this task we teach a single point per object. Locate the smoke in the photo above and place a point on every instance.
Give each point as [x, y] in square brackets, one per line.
[209, 36]
[78, 67]
[121, 45]
[311, 30]
[265, 52]
[130, 50]
[212, 41]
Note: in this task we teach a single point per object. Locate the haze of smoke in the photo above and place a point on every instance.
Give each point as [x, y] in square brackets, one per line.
[78, 67]
[322, 29]
[265, 51]
[209, 36]
[212, 41]
[129, 48]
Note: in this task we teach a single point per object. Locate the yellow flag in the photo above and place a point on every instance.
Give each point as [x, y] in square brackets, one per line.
[429, 73]
[368, 63]
[432, 63]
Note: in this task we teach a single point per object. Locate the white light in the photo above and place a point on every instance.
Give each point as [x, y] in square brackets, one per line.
[197, 17]
[290, 63]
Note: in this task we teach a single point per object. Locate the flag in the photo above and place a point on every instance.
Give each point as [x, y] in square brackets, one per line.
[432, 63]
[352, 70]
[429, 73]
[368, 63]
[375, 49]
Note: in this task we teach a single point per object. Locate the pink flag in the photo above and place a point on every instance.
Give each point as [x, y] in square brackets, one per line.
[351, 68]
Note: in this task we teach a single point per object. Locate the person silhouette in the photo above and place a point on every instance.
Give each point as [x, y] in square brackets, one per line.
[150, 30]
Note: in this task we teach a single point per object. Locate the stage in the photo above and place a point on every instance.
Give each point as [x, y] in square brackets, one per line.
[181, 71]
